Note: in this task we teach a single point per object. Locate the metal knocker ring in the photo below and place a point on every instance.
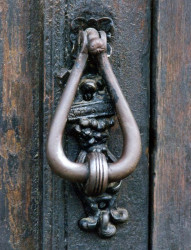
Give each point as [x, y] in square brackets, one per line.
[98, 174]
[93, 172]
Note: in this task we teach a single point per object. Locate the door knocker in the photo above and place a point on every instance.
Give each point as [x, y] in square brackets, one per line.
[90, 100]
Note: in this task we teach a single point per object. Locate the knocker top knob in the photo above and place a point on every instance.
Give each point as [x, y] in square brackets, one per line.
[92, 42]
[96, 44]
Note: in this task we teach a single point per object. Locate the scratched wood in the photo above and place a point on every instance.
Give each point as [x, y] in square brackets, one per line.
[131, 46]
[20, 74]
[171, 146]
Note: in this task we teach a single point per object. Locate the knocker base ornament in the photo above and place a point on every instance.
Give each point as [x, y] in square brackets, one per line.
[90, 101]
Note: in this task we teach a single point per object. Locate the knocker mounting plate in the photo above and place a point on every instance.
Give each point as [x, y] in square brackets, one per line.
[91, 99]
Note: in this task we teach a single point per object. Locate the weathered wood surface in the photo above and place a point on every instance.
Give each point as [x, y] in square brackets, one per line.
[61, 207]
[20, 66]
[171, 156]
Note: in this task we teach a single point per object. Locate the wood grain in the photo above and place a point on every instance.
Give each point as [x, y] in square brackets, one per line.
[131, 46]
[171, 102]
[20, 51]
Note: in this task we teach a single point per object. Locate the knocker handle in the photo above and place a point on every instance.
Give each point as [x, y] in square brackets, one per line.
[57, 159]
[95, 171]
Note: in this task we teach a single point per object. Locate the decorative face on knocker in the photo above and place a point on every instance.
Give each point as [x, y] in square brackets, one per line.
[91, 122]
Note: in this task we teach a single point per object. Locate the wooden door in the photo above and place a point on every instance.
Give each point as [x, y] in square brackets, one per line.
[151, 59]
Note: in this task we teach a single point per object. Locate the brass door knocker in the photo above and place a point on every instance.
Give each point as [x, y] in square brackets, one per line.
[89, 102]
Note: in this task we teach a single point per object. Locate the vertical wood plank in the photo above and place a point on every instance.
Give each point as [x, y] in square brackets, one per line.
[171, 152]
[54, 201]
[131, 46]
[20, 73]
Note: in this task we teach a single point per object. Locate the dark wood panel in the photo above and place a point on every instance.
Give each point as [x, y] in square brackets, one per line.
[20, 73]
[171, 156]
[61, 207]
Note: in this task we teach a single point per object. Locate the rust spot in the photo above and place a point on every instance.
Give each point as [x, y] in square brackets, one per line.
[142, 24]
[147, 151]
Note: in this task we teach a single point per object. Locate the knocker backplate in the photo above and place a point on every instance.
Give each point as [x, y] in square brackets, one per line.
[91, 102]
